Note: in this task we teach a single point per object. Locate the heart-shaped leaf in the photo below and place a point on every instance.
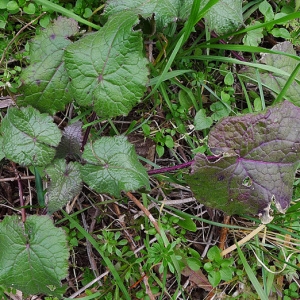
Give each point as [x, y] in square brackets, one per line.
[165, 11]
[255, 163]
[285, 66]
[46, 83]
[112, 166]
[29, 137]
[34, 255]
[224, 17]
[108, 68]
[65, 184]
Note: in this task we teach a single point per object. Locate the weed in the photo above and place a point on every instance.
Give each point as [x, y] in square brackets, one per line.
[189, 73]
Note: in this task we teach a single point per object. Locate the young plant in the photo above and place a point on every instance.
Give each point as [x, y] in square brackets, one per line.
[218, 268]
[107, 71]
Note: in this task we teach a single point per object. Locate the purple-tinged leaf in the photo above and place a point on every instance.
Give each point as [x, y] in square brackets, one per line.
[65, 184]
[276, 81]
[70, 143]
[256, 159]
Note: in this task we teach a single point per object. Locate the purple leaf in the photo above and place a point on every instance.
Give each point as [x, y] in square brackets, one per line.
[256, 159]
[71, 142]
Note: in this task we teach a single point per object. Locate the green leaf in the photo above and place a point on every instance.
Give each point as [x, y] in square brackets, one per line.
[12, 7]
[186, 221]
[3, 4]
[281, 32]
[214, 277]
[169, 141]
[164, 11]
[30, 9]
[108, 68]
[276, 81]
[224, 17]
[34, 255]
[226, 273]
[193, 263]
[253, 37]
[214, 254]
[229, 79]
[160, 150]
[266, 9]
[201, 121]
[256, 157]
[112, 166]
[29, 137]
[2, 155]
[65, 184]
[45, 81]
[185, 100]
[220, 111]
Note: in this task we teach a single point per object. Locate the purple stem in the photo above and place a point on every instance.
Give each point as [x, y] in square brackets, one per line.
[170, 169]
[87, 132]
[210, 158]
[23, 213]
[234, 53]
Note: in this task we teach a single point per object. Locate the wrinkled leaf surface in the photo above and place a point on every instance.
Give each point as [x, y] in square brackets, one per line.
[65, 184]
[29, 137]
[276, 81]
[112, 166]
[108, 68]
[255, 163]
[70, 143]
[224, 17]
[45, 81]
[165, 11]
[34, 255]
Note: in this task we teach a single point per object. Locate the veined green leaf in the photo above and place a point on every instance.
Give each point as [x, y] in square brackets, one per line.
[29, 137]
[108, 68]
[112, 166]
[45, 81]
[34, 255]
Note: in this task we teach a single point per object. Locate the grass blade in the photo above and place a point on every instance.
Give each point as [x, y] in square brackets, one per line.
[287, 85]
[66, 12]
[251, 275]
[107, 261]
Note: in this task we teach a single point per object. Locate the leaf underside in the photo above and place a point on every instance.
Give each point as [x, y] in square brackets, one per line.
[34, 255]
[70, 143]
[65, 184]
[257, 156]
